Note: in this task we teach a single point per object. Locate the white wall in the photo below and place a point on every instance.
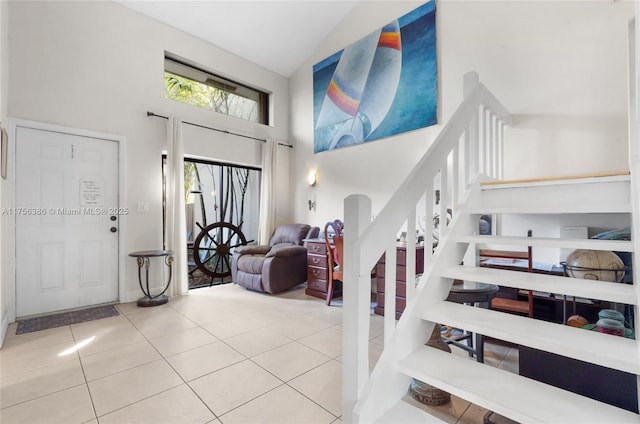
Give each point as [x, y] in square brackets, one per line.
[5, 279]
[100, 66]
[559, 67]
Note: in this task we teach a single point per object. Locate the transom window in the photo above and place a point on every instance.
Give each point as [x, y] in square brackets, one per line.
[188, 84]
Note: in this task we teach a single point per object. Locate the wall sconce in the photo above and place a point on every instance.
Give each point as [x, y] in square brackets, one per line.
[312, 177]
[312, 205]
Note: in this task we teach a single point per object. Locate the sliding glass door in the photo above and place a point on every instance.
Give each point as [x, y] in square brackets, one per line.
[222, 211]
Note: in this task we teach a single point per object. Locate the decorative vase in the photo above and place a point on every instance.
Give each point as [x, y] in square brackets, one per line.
[426, 393]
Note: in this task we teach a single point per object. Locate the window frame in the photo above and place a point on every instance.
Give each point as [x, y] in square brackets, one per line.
[195, 73]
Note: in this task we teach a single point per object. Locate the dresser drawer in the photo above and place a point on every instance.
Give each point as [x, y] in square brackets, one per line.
[401, 272]
[401, 303]
[401, 287]
[317, 284]
[319, 261]
[316, 273]
[317, 248]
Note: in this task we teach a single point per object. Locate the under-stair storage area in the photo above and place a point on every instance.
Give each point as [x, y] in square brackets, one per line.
[582, 321]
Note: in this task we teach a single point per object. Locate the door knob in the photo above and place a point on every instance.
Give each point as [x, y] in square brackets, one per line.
[113, 229]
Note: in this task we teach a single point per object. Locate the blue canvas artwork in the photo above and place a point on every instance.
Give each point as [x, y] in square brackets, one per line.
[382, 85]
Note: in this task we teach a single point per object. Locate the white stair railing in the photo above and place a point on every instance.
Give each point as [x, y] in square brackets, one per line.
[634, 158]
[470, 144]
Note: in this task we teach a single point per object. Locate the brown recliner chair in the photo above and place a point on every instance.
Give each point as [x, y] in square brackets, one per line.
[276, 267]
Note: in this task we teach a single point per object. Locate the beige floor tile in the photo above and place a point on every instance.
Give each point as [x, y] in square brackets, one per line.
[290, 360]
[449, 413]
[269, 315]
[473, 415]
[19, 362]
[117, 360]
[324, 385]
[233, 386]
[376, 326]
[282, 405]
[203, 360]
[16, 343]
[127, 308]
[233, 327]
[125, 388]
[145, 315]
[100, 326]
[29, 385]
[511, 361]
[379, 340]
[331, 315]
[162, 323]
[328, 342]
[110, 340]
[257, 341]
[296, 328]
[375, 351]
[182, 341]
[205, 311]
[77, 408]
[175, 406]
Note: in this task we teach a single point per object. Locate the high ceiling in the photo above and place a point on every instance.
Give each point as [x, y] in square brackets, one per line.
[277, 35]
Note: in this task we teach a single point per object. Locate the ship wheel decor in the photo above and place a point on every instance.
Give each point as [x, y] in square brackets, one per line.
[213, 248]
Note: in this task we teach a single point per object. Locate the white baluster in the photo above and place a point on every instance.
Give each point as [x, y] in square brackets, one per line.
[410, 264]
[390, 291]
[356, 294]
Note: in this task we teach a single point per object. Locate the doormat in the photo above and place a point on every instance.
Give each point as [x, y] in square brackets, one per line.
[65, 318]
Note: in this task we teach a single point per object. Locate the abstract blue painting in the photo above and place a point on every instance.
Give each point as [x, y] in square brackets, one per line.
[382, 85]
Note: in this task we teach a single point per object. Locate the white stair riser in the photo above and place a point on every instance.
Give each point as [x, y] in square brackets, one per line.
[596, 197]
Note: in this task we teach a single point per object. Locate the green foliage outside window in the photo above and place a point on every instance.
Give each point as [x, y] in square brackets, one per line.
[206, 96]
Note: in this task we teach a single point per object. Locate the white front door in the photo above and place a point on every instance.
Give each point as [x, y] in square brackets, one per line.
[66, 221]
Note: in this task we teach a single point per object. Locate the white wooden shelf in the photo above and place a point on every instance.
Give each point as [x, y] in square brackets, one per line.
[521, 399]
[591, 244]
[590, 289]
[551, 209]
[590, 346]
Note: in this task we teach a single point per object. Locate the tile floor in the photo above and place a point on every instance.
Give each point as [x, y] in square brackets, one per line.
[220, 355]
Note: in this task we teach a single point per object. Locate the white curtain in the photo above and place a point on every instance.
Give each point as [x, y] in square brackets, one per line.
[268, 191]
[176, 231]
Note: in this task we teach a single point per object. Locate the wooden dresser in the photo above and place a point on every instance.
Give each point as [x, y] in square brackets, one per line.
[401, 278]
[317, 272]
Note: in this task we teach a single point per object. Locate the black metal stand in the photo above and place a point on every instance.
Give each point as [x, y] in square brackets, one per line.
[142, 257]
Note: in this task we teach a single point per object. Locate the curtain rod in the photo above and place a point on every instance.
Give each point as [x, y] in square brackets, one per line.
[219, 130]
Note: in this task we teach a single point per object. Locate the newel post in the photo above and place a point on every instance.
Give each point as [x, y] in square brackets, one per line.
[470, 81]
[356, 295]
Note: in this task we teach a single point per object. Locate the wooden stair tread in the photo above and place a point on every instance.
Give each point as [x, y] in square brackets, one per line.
[521, 399]
[590, 289]
[593, 244]
[620, 353]
[579, 178]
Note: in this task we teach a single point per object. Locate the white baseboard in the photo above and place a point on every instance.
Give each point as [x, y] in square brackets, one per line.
[4, 328]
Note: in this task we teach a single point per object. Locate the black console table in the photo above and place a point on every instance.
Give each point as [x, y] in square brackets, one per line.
[143, 259]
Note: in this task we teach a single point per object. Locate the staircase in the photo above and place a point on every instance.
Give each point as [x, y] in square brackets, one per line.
[464, 164]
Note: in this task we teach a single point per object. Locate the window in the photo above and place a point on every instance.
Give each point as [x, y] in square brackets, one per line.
[188, 84]
[216, 192]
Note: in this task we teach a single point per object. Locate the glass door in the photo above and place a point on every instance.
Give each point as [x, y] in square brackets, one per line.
[222, 211]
